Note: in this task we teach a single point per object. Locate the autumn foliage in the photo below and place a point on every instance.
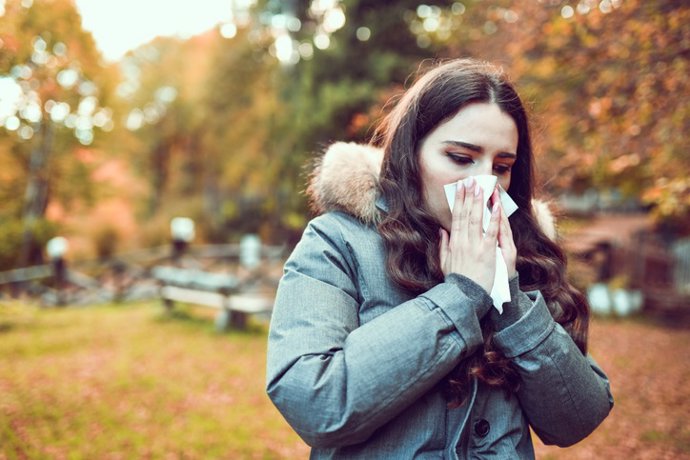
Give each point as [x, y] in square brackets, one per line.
[220, 127]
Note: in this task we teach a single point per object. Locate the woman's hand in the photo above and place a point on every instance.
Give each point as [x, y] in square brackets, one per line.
[505, 238]
[468, 251]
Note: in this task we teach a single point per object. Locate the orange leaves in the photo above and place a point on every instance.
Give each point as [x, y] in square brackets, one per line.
[599, 107]
[623, 162]
[610, 83]
[670, 198]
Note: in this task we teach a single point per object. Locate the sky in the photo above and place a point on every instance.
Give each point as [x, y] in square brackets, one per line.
[122, 25]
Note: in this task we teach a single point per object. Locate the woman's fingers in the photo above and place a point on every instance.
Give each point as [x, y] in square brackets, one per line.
[505, 239]
[506, 233]
[476, 213]
[465, 249]
[492, 232]
[467, 210]
[458, 208]
[443, 250]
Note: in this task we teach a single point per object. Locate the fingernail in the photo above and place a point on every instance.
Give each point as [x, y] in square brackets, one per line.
[477, 191]
[495, 209]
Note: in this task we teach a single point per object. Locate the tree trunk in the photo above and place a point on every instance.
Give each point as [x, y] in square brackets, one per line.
[36, 194]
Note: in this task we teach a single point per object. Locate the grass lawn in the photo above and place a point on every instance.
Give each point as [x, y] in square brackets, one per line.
[128, 381]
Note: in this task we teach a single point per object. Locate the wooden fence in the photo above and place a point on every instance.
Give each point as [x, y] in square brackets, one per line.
[127, 276]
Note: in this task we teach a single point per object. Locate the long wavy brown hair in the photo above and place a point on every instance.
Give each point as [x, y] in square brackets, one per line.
[410, 233]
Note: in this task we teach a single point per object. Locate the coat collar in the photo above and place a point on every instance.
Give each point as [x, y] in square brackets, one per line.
[346, 178]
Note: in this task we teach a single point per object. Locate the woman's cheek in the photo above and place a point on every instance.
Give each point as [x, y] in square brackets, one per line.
[504, 182]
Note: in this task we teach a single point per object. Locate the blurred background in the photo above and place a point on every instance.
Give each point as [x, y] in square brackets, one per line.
[117, 118]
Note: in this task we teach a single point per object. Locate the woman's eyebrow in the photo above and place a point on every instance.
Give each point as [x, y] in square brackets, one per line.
[479, 149]
[466, 145]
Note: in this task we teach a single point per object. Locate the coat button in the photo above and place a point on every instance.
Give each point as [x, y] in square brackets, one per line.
[481, 428]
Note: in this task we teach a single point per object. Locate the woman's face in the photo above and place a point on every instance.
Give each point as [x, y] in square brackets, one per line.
[479, 139]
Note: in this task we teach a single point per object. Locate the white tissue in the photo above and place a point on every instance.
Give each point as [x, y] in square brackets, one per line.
[500, 293]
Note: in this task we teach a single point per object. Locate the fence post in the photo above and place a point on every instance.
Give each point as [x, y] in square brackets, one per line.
[681, 269]
[56, 249]
[182, 232]
[250, 251]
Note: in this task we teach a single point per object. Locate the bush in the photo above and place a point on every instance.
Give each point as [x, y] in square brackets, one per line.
[11, 241]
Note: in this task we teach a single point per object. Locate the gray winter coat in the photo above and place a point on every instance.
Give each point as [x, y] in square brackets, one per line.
[354, 362]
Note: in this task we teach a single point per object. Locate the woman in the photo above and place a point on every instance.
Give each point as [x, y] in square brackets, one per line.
[384, 342]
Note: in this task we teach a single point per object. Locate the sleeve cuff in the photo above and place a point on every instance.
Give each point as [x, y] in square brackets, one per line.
[473, 291]
[464, 303]
[517, 308]
[531, 329]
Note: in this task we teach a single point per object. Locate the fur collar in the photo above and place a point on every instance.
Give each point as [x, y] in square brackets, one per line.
[346, 179]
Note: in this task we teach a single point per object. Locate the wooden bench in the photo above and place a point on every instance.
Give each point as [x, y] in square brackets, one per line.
[216, 290]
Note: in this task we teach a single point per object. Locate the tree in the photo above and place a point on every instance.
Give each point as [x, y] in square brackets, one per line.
[162, 88]
[610, 75]
[340, 62]
[53, 88]
[241, 106]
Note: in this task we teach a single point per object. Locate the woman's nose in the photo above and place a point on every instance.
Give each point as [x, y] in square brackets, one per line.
[485, 168]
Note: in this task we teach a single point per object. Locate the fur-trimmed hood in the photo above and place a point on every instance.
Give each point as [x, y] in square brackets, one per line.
[346, 179]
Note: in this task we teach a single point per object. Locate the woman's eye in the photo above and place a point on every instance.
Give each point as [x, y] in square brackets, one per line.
[460, 159]
[502, 169]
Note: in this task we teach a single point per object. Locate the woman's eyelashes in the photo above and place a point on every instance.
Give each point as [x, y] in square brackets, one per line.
[460, 158]
[502, 169]
[466, 160]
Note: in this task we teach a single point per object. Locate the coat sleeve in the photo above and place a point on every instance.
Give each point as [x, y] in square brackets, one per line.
[335, 380]
[563, 393]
